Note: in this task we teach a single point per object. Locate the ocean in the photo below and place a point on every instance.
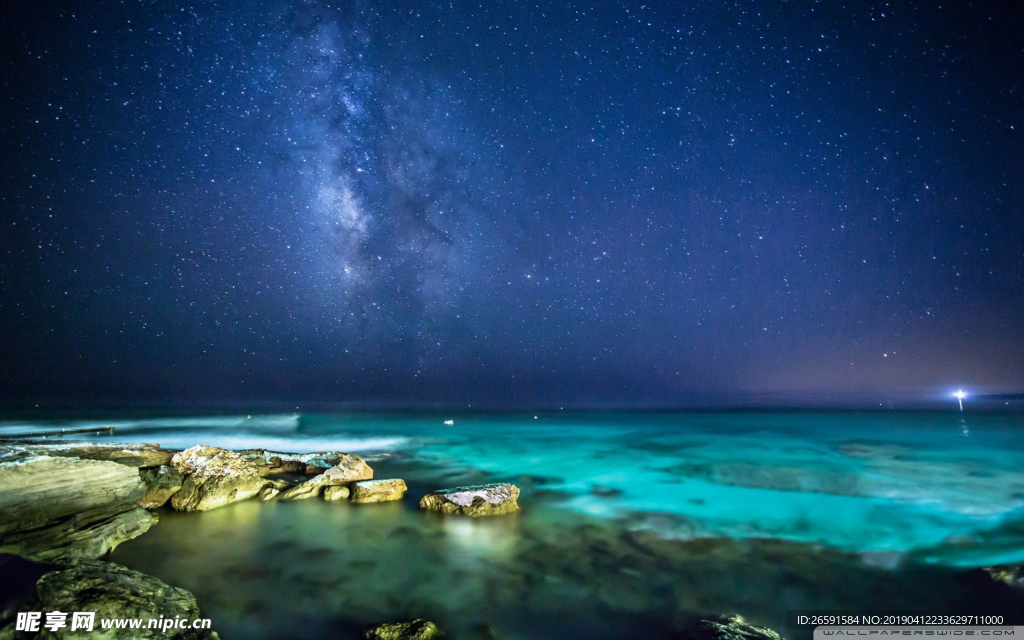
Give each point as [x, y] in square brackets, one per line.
[630, 522]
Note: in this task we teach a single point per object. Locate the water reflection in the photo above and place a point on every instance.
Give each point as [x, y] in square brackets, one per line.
[493, 538]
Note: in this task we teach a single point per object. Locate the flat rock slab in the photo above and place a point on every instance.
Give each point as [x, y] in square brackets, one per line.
[377, 490]
[475, 500]
[130, 454]
[412, 630]
[111, 591]
[65, 508]
[79, 538]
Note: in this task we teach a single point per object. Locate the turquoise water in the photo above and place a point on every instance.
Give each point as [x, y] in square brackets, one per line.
[630, 523]
[858, 482]
[944, 486]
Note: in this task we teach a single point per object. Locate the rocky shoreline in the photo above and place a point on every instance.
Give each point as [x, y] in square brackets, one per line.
[70, 505]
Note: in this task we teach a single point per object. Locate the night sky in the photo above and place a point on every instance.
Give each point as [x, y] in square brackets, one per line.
[507, 202]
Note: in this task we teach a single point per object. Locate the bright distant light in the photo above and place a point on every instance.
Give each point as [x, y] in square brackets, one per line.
[960, 394]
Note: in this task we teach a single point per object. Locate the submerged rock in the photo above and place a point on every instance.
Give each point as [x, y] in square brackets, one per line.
[480, 632]
[727, 628]
[378, 490]
[66, 508]
[1008, 574]
[162, 482]
[776, 477]
[476, 500]
[336, 493]
[111, 591]
[605, 492]
[214, 478]
[412, 630]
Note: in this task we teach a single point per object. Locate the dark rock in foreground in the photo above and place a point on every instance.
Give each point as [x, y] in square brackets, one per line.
[1009, 574]
[476, 500]
[64, 508]
[727, 628]
[413, 630]
[111, 591]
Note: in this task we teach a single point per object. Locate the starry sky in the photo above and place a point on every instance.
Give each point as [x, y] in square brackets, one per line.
[612, 203]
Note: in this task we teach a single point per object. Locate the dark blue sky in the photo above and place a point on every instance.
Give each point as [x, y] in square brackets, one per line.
[505, 202]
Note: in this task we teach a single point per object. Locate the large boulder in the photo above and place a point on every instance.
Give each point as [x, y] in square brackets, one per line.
[65, 508]
[476, 500]
[214, 478]
[412, 630]
[132, 454]
[346, 468]
[162, 483]
[378, 490]
[110, 591]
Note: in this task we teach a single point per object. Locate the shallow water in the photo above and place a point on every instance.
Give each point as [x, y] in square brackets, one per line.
[318, 569]
[630, 522]
[860, 482]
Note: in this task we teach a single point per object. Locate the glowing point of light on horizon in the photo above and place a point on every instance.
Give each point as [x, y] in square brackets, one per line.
[960, 394]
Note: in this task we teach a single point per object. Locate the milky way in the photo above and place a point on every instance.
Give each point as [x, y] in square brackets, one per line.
[614, 203]
[389, 193]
